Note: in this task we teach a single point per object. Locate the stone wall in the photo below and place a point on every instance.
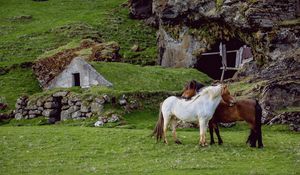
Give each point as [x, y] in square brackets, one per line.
[65, 105]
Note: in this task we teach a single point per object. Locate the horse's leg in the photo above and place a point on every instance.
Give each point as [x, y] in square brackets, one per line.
[166, 123]
[253, 138]
[220, 141]
[203, 127]
[260, 144]
[173, 126]
[211, 132]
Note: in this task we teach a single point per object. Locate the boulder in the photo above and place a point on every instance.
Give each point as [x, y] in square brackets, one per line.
[85, 108]
[31, 116]
[64, 101]
[89, 114]
[39, 103]
[65, 115]
[108, 52]
[50, 105]
[60, 94]
[98, 124]
[140, 9]
[96, 108]
[106, 98]
[18, 116]
[78, 103]
[65, 107]
[135, 48]
[100, 100]
[3, 106]
[290, 118]
[49, 112]
[113, 118]
[76, 115]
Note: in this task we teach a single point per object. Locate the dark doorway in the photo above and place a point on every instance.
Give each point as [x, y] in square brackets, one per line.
[76, 79]
[211, 64]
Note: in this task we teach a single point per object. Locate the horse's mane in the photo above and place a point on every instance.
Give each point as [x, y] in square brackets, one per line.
[204, 91]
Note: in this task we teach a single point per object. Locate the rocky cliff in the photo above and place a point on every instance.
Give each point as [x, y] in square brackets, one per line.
[188, 28]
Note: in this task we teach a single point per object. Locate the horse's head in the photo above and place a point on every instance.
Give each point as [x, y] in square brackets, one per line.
[189, 90]
[227, 98]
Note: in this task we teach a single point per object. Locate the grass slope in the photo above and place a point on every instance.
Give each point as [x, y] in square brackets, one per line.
[85, 150]
[29, 29]
[24, 39]
[15, 83]
[152, 78]
[125, 78]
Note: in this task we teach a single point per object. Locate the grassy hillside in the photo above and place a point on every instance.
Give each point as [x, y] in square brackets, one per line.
[86, 150]
[152, 78]
[29, 28]
[124, 76]
[17, 82]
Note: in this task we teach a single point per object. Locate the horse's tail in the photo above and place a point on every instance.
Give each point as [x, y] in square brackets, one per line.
[158, 130]
[258, 116]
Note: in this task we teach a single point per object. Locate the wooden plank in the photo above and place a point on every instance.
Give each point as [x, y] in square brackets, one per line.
[224, 56]
[211, 53]
[217, 53]
[230, 68]
[222, 76]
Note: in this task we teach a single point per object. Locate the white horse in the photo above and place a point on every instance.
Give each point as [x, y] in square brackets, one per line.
[199, 109]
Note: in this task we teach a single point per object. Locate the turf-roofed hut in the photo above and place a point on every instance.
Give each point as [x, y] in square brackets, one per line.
[66, 73]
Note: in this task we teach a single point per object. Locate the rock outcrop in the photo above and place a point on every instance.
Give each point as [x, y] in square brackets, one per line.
[290, 118]
[260, 24]
[187, 28]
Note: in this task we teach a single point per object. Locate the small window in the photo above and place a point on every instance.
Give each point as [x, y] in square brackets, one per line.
[76, 79]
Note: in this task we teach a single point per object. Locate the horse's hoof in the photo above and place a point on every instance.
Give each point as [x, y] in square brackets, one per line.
[203, 144]
[220, 143]
[178, 142]
[260, 146]
[212, 143]
[252, 146]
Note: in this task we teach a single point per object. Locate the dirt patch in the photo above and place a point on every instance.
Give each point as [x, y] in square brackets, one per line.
[21, 18]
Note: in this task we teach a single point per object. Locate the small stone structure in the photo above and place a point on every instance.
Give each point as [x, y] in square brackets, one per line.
[60, 105]
[78, 73]
[64, 105]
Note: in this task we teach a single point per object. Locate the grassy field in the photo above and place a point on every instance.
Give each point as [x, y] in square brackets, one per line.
[29, 29]
[63, 149]
[155, 78]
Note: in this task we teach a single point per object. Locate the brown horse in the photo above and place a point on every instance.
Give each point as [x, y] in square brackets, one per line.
[191, 88]
[241, 110]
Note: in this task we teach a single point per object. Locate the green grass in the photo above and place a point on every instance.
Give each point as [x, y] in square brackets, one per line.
[15, 83]
[128, 78]
[24, 40]
[57, 24]
[87, 150]
[134, 77]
